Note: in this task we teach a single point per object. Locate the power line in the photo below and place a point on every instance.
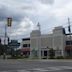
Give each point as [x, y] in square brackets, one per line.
[49, 29]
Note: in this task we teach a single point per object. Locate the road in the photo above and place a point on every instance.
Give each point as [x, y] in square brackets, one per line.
[36, 66]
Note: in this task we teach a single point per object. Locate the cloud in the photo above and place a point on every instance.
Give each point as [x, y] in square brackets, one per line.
[25, 27]
[7, 12]
[47, 1]
[26, 14]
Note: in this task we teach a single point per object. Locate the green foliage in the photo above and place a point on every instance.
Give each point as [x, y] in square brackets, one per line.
[68, 57]
[59, 57]
[51, 53]
[16, 57]
[3, 49]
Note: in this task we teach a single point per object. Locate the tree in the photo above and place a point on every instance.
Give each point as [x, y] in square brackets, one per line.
[1, 49]
[51, 53]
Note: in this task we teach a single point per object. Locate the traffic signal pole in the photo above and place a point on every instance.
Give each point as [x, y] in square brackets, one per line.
[9, 23]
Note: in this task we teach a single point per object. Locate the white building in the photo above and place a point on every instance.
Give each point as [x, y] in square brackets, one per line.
[42, 43]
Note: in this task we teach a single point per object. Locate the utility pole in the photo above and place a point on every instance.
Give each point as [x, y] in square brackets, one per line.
[5, 36]
[69, 29]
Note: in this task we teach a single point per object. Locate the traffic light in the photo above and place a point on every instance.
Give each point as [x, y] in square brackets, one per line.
[9, 22]
[69, 28]
[8, 40]
[0, 40]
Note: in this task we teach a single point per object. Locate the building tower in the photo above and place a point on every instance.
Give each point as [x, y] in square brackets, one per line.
[35, 42]
[38, 25]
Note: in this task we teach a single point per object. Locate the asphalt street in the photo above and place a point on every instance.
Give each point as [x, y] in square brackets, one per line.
[35, 65]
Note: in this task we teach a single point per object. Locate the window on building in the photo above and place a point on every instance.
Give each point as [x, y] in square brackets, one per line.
[24, 45]
[45, 53]
[68, 42]
[71, 42]
[28, 45]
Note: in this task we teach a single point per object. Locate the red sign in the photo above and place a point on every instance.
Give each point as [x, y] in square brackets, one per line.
[25, 49]
[68, 47]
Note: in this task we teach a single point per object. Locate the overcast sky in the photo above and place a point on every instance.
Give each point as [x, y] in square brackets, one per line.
[27, 13]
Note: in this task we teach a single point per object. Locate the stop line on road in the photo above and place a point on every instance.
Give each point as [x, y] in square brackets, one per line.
[56, 68]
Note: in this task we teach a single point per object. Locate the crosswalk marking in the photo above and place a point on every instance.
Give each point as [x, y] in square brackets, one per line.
[60, 68]
[66, 67]
[47, 69]
[53, 68]
[56, 68]
[40, 69]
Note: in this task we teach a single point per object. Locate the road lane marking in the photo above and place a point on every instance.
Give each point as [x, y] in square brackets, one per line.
[22, 71]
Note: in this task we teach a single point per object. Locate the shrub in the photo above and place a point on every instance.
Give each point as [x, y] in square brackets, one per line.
[59, 57]
[68, 57]
[15, 57]
[51, 53]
